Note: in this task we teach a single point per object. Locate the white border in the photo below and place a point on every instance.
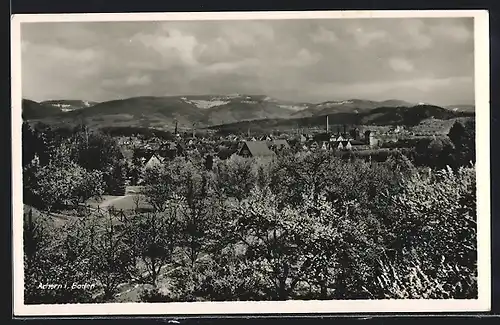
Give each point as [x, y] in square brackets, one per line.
[481, 39]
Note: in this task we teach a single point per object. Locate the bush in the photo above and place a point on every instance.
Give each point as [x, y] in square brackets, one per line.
[435, 219]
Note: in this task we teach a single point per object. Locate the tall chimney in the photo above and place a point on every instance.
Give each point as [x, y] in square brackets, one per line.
[176, 126]
[194, 130]
[327, 123]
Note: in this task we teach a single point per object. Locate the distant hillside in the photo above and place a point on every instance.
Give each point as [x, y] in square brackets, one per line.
[140, 111]
[406, 115]
[409, 116]
[35, 110]
[246, 108]
[162, 112]
[67, 105]
[232, 110]
[462, 108]
[357, 106]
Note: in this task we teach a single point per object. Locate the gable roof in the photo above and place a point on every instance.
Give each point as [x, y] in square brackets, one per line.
[257, 148]
[279, 143]
[154, 161]
[126, 153]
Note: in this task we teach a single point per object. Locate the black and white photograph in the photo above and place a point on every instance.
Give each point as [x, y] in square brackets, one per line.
[273, 162]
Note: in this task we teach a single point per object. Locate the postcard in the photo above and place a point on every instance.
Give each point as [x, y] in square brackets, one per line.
[250, 163]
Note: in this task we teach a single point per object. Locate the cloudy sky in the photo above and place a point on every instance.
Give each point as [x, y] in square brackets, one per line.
[420, 60]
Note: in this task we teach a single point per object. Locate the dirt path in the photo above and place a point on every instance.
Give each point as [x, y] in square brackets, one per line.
[108, 202]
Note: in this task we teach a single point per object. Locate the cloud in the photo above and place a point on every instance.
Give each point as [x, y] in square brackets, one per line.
[414, 35]
[170, 43]
[365, 37]
[138, 80]
[228, 67]
[400, 64]
[416, 90]
[323, 35]
[304, 60]
[457, 33]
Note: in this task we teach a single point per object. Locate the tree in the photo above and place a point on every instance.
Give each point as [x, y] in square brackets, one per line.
[435, 224]
[116, 178]
[161, 183]
[29, 143]
[209, 162]
[463, 136]
[436, 153]
[111, 259]
[235, 177]
[152, 238]
[53, 259]
[196, 209]
[273, 239]
[62, 182]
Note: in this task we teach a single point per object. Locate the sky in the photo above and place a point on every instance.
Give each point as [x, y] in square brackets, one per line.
[427, 60]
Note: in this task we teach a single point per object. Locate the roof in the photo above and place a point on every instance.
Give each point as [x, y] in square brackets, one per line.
[126, 153]
[225, 153]
[257, 148]
[154, 161]
[279, 143]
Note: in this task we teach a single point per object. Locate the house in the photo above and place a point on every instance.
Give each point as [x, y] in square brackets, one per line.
[154, 161]
[279, 144]
[255, 149]
[126, 153]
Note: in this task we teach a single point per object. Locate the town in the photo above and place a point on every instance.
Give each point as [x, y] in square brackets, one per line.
[366, 141]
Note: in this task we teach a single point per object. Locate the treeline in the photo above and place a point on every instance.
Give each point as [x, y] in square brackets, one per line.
[129, 131]
[310, 226]
[454, 150]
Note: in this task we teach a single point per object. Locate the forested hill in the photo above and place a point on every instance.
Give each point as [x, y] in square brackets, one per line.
[409, 116]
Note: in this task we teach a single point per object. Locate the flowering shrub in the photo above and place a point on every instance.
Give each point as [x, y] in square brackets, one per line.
[435, 217]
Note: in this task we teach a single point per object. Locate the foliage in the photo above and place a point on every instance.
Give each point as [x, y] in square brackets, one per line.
[152, 238]
[50, 271]
[110, 256]
[304, 226]
[63, 182]
[235, 177]
[435, 219]
[161, 183]
[463, 136]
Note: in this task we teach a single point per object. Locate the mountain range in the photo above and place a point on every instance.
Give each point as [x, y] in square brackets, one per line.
[213, 110]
